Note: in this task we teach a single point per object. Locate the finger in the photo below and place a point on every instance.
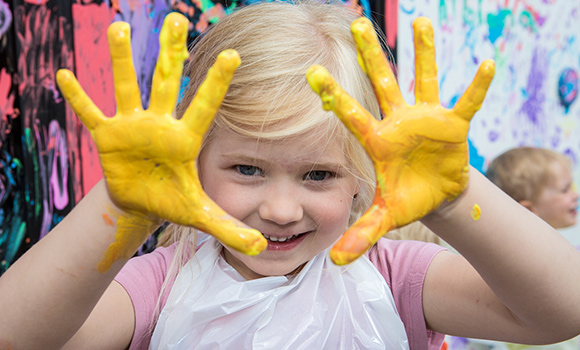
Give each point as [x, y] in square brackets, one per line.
[229, 230]
[361, 236]
[375, 64]
[473, 97]
[126, 88]
[172, 53]
[357, 119]
[212, 91]
[76, 97]
[426, 85]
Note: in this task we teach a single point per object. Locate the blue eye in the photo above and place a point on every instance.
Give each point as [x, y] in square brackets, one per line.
[249, 170]
[317, 175]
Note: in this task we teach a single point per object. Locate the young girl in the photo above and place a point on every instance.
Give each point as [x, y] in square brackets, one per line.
[279, 164]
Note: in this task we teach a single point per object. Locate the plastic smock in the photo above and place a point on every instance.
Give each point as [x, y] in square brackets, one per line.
[325, 306]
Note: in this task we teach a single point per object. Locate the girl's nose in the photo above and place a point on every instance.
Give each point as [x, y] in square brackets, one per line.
[281, 205]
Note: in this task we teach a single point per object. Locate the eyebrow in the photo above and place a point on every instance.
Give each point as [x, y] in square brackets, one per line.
[241, 158]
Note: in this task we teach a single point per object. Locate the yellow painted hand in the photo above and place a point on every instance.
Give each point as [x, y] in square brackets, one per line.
[420, 152]
[149, 157]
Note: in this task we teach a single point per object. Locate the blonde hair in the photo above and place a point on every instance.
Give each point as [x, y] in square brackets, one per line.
[524, 172]
[269, 97]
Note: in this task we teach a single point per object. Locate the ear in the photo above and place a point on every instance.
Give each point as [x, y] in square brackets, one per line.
[357, 188]
[528, 205]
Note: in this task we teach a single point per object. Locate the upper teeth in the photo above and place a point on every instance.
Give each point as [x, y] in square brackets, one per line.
[279, 239]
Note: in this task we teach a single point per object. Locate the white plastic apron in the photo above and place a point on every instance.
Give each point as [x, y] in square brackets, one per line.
[211, 306]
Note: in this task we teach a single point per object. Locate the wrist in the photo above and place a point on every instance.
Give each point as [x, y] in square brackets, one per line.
[130, 229]
[117, 210]
[449, 207]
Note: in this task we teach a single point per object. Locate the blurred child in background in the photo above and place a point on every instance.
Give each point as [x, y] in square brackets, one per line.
[540, 180]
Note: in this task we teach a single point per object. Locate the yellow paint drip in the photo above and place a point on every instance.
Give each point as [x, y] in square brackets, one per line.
[476, 212]
[132, 231]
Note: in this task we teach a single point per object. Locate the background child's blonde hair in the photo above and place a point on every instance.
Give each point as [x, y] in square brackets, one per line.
[269, 97]
[524, 172]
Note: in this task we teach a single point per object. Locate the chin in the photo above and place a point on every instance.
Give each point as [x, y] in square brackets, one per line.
[256, 267]
[271, 270]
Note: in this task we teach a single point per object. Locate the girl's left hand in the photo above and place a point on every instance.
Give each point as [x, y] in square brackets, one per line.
[420, 152]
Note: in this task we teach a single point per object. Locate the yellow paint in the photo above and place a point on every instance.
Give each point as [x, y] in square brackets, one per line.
[108, 221]
[132, 231]
[148, 157]
[476, 212]
[420, 152]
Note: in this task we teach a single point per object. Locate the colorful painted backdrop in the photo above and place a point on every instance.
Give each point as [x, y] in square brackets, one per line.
[48, 161]
[532, 100]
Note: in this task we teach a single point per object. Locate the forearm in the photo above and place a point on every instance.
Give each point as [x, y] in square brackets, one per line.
[50, 291]
[530, 267]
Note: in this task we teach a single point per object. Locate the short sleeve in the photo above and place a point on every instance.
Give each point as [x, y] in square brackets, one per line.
[404, 265]
[143, 277]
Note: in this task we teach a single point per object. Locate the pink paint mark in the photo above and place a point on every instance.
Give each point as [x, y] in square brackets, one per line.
[411, 85]
[391, 10]
[94, 73]
[7, 110]
[36, 2]
[515, 5]
[215, 13]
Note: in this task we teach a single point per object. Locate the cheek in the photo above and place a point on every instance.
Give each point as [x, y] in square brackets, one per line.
[234, 200]
[221, 191]
[333, 213]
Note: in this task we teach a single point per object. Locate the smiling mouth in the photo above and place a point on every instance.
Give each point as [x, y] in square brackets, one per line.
[282, 239]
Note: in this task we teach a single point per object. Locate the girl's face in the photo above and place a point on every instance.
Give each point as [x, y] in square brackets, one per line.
[558, 201]
[296, 191]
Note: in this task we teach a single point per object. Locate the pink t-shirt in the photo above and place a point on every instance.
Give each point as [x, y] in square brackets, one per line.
[403, 264]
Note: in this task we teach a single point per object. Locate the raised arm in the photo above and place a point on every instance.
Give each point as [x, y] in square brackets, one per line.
[148, 159]
[517, 279]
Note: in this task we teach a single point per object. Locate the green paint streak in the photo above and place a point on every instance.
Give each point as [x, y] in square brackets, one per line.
[472, 16]
[18, 238]
[31, 150]
[500, 60]
[527, 21]
[442, 12]
[206, 5]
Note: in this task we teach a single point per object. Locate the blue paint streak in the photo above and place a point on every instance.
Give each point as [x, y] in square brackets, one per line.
[475, 159]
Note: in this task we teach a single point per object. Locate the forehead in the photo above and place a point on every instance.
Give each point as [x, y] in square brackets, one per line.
[560, 173]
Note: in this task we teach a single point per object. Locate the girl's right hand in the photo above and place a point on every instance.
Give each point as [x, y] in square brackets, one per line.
[420, 152]
[149, 157]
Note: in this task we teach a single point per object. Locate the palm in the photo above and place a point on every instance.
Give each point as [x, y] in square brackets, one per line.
[420, 152]
[149, 157]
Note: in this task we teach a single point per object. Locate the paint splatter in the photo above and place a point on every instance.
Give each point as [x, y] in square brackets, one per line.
[476, 212]
[108, 220]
